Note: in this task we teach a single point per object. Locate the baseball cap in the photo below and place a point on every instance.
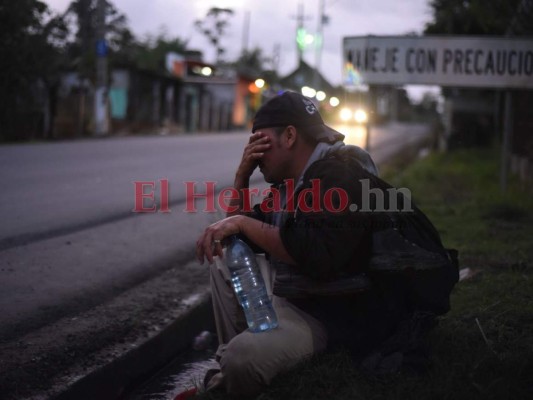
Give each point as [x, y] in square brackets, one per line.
[291, 108]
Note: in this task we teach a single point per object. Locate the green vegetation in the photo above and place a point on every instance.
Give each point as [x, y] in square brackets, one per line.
[472, 17]
[460, 193]
[483, 348]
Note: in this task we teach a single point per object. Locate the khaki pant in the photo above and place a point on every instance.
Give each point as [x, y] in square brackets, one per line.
[249, 361]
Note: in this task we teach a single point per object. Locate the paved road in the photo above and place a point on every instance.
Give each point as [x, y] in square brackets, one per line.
[68, 238]
[58, 187]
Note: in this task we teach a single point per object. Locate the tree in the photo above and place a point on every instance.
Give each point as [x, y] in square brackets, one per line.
[151, 52]
[82, 15]
[213, 26]
[477, 17]
[251, 60]
[32, 50]
[253, 64]
[37, 46]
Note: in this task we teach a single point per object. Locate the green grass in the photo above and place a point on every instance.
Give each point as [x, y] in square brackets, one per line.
[460, 193]
[483, 348]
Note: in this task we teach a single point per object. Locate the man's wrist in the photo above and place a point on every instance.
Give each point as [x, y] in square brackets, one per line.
[239, 221]
[241, 182]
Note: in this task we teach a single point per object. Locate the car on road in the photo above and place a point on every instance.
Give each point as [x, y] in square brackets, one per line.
[353, 114]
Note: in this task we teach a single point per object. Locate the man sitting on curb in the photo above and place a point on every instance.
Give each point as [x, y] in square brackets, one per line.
[319, 230]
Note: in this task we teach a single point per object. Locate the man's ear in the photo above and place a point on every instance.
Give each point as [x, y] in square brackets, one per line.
[291, 133]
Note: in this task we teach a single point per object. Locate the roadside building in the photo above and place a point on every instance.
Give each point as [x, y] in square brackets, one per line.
[189, 96]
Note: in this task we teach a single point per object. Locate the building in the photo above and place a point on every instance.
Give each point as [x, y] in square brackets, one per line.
[190, 96]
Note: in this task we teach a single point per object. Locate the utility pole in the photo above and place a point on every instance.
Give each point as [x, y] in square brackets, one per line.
[100, 94]
[246, 32]
[319, 40]
[300, 33]
[276, 56]
[300, 18]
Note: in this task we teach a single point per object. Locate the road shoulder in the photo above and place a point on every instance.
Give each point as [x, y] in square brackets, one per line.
[100, 353]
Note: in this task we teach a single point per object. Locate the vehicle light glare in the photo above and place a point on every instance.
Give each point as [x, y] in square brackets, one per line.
[308, 91]
[346, 114]
[320, 95]
[360, 116]
[334, 102]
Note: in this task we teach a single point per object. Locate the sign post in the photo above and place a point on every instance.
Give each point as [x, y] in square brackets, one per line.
[506, 143]
[100, 95]
[457, 61]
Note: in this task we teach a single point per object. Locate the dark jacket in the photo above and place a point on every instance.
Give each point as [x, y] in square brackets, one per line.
[343, 206]
[330, 233]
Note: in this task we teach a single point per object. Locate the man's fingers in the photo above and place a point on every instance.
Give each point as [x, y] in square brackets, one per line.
[203, 247]
[256, 136]
[258, 141]
[260, 147]
[210, 242]
[256, 149]
[218, 249]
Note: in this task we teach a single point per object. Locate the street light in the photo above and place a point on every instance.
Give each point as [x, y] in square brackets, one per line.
[320, 95]
[206, 71]
[308, 91]
[334, 101]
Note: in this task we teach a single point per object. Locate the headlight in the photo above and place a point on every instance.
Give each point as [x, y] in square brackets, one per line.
[360, 116]
[346, 114]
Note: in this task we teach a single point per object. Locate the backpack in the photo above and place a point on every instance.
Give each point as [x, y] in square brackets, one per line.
[407, 259]
[408, 255]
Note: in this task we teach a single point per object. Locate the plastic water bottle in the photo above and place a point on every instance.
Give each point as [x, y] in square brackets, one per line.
[249, 286]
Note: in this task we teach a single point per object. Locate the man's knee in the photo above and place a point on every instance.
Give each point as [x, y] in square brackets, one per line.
[245, 368]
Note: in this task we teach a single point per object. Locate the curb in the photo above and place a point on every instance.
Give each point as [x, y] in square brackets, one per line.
[117, 378]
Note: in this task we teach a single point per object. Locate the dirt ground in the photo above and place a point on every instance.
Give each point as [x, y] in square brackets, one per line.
[43, 363]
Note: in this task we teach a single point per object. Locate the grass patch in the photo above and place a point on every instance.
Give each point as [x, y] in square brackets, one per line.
[460, 193]
[483, 348]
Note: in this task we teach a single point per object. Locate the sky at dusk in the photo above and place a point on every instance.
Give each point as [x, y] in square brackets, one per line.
[273, 23]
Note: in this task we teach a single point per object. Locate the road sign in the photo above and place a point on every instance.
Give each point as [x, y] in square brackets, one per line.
[101, 48]
[441, 60]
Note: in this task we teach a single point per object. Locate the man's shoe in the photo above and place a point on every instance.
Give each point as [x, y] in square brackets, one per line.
[187, 394]
[213, 379]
